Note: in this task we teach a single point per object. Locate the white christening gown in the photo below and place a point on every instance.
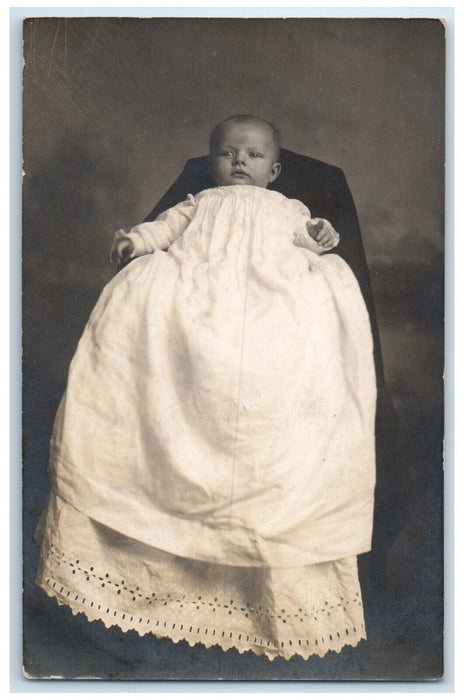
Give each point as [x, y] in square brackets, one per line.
[212, 460]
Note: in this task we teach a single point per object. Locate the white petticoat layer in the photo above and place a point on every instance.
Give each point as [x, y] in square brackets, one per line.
[306, 610]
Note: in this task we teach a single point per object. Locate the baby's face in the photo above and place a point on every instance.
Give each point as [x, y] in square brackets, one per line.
[244, 155]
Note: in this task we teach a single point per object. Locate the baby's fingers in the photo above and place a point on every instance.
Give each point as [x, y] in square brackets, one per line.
[326, 239]
[120, 250]
[315, 229]
[113, 255]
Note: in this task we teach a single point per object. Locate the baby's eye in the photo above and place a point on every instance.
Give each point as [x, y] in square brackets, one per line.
[228, 154]
[255, 154]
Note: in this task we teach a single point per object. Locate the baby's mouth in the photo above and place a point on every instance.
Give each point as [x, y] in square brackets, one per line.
[239, 173]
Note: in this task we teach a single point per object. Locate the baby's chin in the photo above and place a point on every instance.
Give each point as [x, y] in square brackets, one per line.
[237, 182]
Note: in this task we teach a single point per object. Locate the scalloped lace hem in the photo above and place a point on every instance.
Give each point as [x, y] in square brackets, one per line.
[167, 627]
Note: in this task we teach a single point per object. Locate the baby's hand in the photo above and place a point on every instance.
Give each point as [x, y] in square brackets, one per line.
[122, 247]
[322, 232]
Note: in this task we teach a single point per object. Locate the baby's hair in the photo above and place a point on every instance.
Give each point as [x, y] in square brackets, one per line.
[244, 119]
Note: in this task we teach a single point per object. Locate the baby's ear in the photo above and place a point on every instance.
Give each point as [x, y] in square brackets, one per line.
[275, 172]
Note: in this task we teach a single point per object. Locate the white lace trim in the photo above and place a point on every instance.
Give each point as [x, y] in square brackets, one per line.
[173, 616]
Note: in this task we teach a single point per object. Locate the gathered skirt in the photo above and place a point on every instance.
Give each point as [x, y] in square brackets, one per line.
[213, 457]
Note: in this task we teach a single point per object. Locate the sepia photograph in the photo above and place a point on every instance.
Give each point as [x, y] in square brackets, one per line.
[233, 348]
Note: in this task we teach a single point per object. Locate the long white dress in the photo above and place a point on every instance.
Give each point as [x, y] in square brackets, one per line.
[212, 460]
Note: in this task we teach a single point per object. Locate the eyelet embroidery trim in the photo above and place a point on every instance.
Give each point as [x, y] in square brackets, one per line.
[110, 616]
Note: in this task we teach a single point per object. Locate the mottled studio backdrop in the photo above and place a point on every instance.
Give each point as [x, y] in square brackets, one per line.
[112, 110]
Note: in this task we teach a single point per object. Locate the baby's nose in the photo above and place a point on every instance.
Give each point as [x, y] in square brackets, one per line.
[239, 159]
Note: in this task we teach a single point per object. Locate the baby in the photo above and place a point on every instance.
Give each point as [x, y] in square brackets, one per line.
[244, 150]
[212, 459]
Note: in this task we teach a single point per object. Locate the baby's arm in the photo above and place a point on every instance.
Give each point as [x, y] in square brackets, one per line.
[318, 236]
[147, 237]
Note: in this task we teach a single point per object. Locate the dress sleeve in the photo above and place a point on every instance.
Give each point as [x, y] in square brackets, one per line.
[302, 216]
[166, 228]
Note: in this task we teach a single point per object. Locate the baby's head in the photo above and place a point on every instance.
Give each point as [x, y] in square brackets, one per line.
[244, 150]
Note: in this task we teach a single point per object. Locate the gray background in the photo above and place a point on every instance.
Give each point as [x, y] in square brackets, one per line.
[112, 109]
